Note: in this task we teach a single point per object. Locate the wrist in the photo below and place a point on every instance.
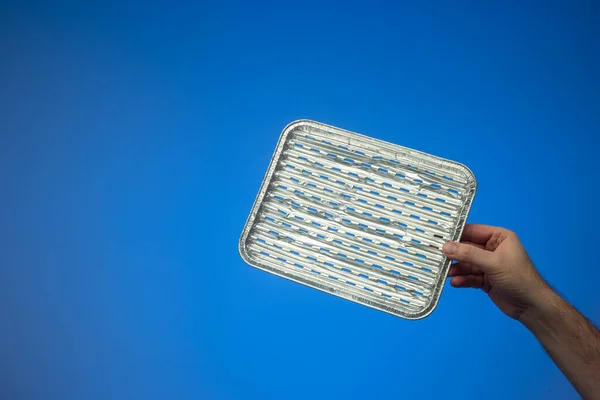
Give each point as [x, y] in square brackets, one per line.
[544, 308]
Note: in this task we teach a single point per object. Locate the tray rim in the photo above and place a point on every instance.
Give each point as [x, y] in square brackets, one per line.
[435, 297]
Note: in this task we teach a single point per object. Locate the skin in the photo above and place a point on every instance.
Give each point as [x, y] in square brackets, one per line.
[494, 260]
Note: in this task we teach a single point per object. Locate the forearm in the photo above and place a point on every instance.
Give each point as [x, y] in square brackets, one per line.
[570, 339]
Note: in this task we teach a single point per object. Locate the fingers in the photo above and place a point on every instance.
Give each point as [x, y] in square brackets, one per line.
[466, 253]
[468, 281]
[479, 234]
[481, 246]
[463, 269]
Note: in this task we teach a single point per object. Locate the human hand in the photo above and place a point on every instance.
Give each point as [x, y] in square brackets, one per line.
[494, 260]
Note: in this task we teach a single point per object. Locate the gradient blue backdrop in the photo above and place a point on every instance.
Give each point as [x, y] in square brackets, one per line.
[134, 138]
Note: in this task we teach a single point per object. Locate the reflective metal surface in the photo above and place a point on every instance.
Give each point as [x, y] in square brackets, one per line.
[358, 217]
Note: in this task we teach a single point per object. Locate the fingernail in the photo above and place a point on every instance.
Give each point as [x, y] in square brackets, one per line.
[449, 248]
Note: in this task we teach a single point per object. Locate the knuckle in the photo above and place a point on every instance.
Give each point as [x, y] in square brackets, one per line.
[497, 238]
[467, 250]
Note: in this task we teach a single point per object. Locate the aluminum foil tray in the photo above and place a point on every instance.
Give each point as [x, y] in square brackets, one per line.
[358, 218]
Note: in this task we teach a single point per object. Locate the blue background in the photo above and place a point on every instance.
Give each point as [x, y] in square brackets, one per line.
[134, 138]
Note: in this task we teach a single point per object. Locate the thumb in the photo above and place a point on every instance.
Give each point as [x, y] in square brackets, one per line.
[467, 253]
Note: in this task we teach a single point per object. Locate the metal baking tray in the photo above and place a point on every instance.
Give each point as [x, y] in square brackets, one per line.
[358, 217]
